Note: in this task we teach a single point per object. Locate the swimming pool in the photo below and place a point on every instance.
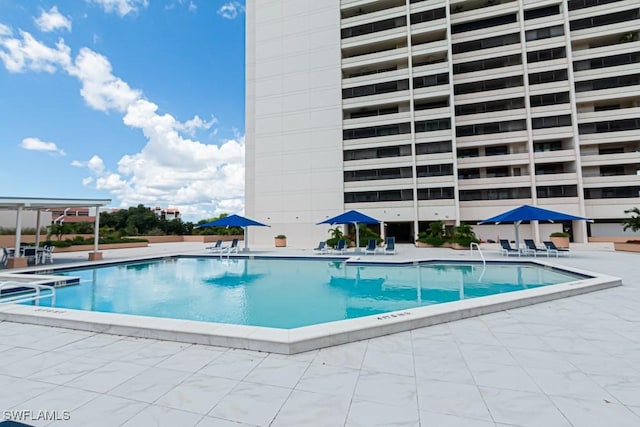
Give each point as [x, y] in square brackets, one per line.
[362, 288]
[286, 293]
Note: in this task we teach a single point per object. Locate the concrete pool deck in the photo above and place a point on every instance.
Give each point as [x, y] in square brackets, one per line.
[568, 362]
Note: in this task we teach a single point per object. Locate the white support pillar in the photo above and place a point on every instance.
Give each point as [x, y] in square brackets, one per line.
[96, 255]
[38, 229]
[18, 231]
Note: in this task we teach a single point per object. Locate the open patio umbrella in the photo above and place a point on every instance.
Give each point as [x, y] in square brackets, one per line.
[234, 221]
[530, 213]
[351, 217]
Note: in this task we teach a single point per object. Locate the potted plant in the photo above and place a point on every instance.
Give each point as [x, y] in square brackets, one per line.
[462, 236]
[560, 239]
[281, 241]
[435, 236]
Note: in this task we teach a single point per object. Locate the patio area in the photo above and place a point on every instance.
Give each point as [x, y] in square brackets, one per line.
[569, 362]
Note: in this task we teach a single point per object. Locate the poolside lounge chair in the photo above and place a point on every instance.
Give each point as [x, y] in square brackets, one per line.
[552, 248]
[531, 248]
[390, 247]
[506, 249]
[47, 254]
[341, 247]
[214, 248]
[321, 249]
[371, 247]
[231, 248]
[4, 256]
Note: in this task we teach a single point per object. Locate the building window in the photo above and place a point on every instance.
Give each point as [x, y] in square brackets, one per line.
[371, 112]
[433, 125]
[496, 194]
[549, 99]
[544, 33]
[540, 147]
[497, 172]
[612, 170]
[435, 193]
[546, 54]
[468, 152]
[541, 12]
[487, 85]
[378, 153]
[378, 196]
[612, 192]
[428, 105]
[551, 122]
[489, 128]
[375, 131]
[469, 173]
[377, 174]
[427, 81]
[581, 4]
[547, 77]
[376, 89]
[487, 64]
[484, 23]
[486, 43]
[609, 126]
[433, 147]
[496, 150]
[550, 191]
[611, 18]
[490, 106]
[608, 61]
[428, 15]
[434, 170]
[608, 83]
[374, 27]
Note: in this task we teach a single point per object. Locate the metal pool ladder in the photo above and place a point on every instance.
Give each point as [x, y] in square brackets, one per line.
[33, 294]
[477, 246]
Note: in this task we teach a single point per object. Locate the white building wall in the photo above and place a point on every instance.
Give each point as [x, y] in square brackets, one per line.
[294, 123]
[29, 219]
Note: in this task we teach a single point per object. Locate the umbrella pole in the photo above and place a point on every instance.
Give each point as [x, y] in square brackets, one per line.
[246, 238]
[517, 225]
[357, 237]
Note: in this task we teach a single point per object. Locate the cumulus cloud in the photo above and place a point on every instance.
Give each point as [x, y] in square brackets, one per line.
[27, 53]
[5, 30]
[52, 20]
[231, 10]
[120, 7]
[192, 7]
[35, 144]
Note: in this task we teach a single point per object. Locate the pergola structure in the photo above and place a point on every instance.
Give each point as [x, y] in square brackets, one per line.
[20, 204]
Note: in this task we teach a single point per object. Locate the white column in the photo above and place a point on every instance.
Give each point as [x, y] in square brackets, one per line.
[18, 231]
[38, 229]
[96, 230]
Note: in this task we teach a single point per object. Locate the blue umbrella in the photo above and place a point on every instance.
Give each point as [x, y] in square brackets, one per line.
[352, 217]
[530, 213]
[234, 221]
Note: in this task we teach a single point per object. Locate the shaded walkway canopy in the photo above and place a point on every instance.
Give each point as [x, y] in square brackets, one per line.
[20, 204]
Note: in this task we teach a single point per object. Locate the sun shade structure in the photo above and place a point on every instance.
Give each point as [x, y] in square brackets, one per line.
[530, 213]
[352, 217]
[234, 221]
[38, 204]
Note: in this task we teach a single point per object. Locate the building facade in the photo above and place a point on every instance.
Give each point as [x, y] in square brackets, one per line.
[414, 111]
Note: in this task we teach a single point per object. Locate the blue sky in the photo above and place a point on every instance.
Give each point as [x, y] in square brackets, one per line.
[140, 101]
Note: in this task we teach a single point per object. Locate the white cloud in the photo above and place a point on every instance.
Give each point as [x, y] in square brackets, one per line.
[231, 10]
[52, 20]
[35, 144]
[27, 53]
[192, 7]
[120, 7]
[5, 30]
[200, 179]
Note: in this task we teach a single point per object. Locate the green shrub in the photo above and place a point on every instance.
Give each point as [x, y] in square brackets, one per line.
[559, 234]
[463, 235]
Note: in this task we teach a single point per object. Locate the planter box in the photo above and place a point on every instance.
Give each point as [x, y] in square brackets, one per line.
[560, 242]
[281, 243]
[627, 247]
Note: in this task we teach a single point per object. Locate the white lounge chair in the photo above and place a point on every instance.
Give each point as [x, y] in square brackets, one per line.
[215, 248]
[390, 247]
[321, 249]
[231, 248]
[372, 247]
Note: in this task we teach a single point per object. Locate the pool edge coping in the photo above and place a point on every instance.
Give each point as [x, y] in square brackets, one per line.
[297, 340]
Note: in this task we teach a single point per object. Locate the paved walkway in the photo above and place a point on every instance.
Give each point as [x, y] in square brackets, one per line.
[571, 362]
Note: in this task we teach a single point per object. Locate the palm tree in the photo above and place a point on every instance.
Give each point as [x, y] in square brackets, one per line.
[634, 222]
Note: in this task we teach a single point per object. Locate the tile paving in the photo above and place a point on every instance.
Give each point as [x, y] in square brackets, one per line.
[570, 362]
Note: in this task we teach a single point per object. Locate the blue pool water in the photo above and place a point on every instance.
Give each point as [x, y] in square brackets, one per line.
[287, 293]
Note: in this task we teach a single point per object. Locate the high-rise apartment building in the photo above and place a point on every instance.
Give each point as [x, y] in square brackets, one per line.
[415, 111]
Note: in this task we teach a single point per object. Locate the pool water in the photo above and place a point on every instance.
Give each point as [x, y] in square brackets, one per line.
[285, 293]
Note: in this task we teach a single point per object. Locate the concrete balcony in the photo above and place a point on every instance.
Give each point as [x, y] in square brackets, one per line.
[490, 95]
[615, 93]
[609, 137]
[557, 179]
[436, 181]
[493, 138]
[431, 92]
[379, 185]
[493, 161]
[611, 181]
[382, 163]
[377, 141]
[603, 9]
[432, 113]
[375, 78]
[430, 48]
[600, 116]
[372, 100]
[429, 26]
[494, 116]
[553, 133]
[372, 58]
[386, 119]
[434, 159]
[604, 30]
[555, 156]
[610, 159]
[398, 33]
[366, 18]
[497, 182]
[601, 73]
[597, 52]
